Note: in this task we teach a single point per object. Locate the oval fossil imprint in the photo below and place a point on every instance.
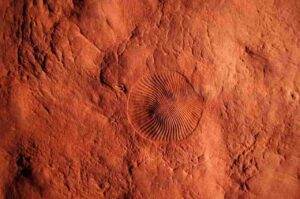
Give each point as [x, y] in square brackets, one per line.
[164, 106]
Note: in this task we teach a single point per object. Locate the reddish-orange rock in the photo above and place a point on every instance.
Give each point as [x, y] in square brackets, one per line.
[66, 71]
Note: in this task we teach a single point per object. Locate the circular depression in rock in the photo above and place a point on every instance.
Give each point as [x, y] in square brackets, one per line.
[164, 106]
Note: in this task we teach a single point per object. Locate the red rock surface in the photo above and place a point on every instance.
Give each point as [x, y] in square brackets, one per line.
[66, 69]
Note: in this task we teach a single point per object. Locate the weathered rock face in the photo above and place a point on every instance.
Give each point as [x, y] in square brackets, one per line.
[66, 71]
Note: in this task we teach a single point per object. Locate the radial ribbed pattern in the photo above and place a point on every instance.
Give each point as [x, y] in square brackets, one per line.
[163, 106]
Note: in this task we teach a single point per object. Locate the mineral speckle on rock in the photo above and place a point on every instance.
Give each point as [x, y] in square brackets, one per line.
[66, 72]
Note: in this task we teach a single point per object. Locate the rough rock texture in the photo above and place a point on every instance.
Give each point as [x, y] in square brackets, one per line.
[66, 69]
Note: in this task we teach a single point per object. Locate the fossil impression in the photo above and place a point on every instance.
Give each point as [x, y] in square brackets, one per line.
[164, 106]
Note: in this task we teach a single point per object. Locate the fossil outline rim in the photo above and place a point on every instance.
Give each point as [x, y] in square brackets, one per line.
[157, 129]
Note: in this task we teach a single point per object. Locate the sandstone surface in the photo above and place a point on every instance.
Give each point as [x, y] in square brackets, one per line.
[66, 71]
